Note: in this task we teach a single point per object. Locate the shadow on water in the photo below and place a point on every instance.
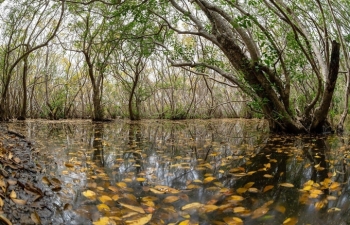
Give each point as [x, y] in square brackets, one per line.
[193, 172]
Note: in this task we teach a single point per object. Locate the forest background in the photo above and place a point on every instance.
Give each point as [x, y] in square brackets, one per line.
[284, 61]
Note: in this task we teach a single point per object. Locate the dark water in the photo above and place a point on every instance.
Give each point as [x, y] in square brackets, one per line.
[192, 172]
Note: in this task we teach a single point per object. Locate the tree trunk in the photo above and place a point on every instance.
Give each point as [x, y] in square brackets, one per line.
[134, 115]
[319, 122]
[98, 109]
[24, 85]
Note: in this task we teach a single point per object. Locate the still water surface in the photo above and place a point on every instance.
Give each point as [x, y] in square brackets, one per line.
[191, 172]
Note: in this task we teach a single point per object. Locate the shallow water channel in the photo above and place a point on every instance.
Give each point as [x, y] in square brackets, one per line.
[191, 172]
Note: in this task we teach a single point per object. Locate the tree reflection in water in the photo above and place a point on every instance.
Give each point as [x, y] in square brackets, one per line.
[207, 162]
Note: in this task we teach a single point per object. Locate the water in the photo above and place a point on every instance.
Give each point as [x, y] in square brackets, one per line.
[191, 172]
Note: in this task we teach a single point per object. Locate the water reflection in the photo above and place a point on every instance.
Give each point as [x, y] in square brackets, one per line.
[232, 169]
[97, 145]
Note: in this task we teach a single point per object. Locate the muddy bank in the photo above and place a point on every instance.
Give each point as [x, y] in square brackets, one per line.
[27, 194]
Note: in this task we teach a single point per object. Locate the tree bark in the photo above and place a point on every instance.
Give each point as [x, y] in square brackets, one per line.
[320, 117]
[24, 86]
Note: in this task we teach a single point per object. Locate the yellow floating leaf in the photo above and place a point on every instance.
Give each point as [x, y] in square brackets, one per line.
[150, 204]
[127, 180]
[316, 192]
[320, 205]
[208, 179]
[251, 172]
[184, 222]
[268, 165]
[194, 205]
[327, 182]
[139, 219]
[334, 186]
[249, 185]
[141, 179]
[102, 221]
[259, 212]
[149, 198]
[267, 188]
[333, 210]
[268, 176]
[171, 199]
[103, 207]
[253, 190]
[286, 185]
[193, 186]
[89, 194]
[209, 208]
[104, 198]
[166, 189]
[133, 207]
[239, 209]
[13, 194]
[331, 198]
[233, 220]
[287, 220]
[241, 190]
[155, 191]
[236, 198]
[290, 221]
[115, 197]
[198, 181]
[281, 209]
[113, 188]
[307, 188]
[122, 184]
[309, 183]
[100, 188]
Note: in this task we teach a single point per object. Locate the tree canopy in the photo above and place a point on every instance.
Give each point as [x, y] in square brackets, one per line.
[285, 61]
